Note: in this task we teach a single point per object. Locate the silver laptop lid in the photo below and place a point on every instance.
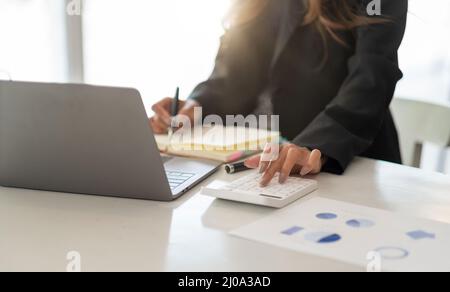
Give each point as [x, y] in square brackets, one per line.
[78, 139]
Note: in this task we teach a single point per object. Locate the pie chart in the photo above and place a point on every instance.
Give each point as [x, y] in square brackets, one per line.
[323, 237]
[360, 223]
[326, 216]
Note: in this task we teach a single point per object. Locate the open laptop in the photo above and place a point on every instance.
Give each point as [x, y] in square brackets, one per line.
[87, 140]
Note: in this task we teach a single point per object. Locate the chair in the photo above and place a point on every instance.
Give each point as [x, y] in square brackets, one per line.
[419, 122]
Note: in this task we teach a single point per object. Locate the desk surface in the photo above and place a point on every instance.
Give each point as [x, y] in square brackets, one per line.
[38, 229]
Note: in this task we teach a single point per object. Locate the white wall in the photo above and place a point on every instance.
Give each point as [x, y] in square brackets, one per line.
[425, 61]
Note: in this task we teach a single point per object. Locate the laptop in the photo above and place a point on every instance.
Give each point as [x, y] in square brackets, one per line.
[87, 139]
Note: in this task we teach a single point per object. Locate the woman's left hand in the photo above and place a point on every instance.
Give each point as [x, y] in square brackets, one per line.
[292, 159]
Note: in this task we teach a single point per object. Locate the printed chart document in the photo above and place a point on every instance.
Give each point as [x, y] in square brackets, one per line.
[371, 238]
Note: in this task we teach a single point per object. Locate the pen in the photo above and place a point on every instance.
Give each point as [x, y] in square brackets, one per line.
[174, 111]
[236, 167]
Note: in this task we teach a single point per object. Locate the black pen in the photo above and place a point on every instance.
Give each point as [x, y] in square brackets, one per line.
[174, 112]
[236, 167]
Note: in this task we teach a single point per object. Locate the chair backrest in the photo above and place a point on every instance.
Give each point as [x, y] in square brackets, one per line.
[419, 122]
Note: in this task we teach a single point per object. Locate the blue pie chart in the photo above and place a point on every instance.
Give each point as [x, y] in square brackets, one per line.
[360, 223]
[323, 237]
[326, 216]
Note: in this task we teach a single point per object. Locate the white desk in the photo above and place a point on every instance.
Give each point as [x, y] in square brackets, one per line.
[37, 229]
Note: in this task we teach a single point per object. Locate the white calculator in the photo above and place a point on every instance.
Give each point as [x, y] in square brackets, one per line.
[276, 195]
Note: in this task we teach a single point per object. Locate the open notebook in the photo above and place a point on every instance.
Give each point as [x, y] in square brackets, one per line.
[225, 144]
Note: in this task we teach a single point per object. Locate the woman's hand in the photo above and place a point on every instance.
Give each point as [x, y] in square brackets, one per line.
[161, 121]
[292, 159]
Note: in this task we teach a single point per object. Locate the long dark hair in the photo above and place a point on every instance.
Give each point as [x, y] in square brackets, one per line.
[329, 16]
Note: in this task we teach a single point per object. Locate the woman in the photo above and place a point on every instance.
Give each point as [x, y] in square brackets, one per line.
[328, 69]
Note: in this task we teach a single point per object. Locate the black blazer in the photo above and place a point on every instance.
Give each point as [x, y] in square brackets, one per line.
[340, 106]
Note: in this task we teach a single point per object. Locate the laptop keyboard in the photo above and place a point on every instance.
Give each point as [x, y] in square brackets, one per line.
[176, 178]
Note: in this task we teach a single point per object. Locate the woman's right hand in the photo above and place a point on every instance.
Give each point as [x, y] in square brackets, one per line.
[160, 122]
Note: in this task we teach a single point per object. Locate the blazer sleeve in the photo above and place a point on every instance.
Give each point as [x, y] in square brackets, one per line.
[239, 73]
[350, 123]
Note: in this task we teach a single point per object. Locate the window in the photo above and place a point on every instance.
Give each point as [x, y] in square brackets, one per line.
[425, 53]
[152, 45]
[32, 34]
